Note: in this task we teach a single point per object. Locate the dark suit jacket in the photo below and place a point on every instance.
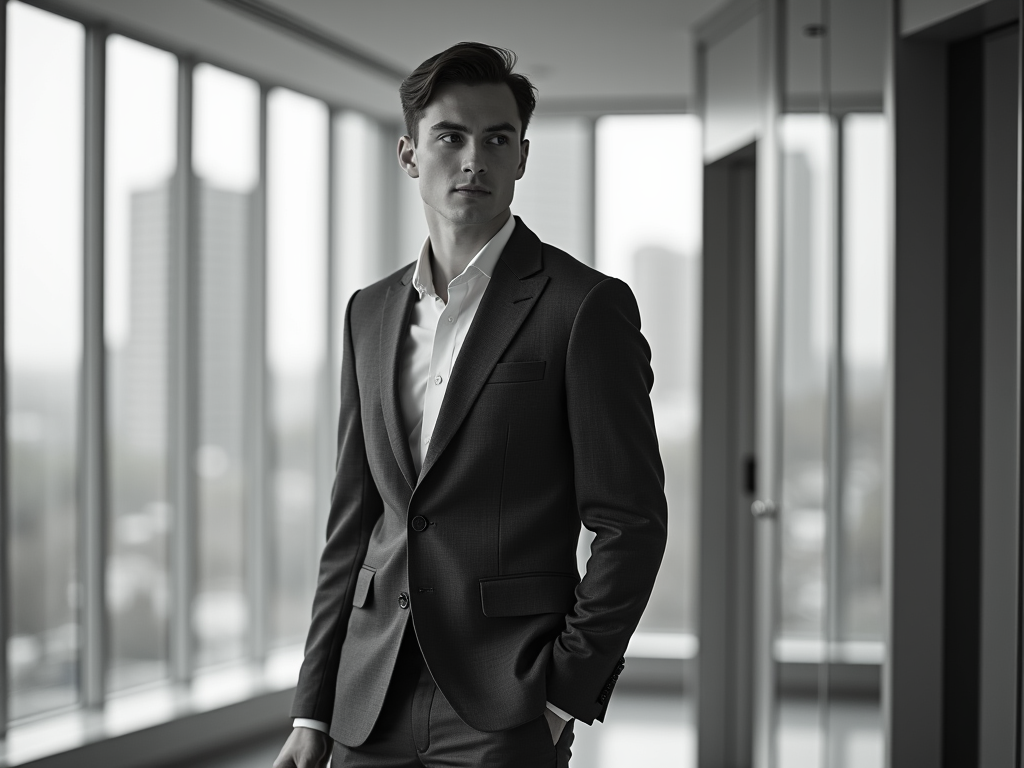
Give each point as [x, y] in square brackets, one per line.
[547, 422]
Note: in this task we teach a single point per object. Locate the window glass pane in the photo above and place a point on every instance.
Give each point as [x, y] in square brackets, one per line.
[652, 241]
[806, 345]
[297, 133]
[363, 158]
[553, 197]
[865, 354]
[140, 157]
[45, 57]
[226, 164]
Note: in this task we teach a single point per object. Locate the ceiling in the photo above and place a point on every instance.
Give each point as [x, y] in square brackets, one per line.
[584, 55]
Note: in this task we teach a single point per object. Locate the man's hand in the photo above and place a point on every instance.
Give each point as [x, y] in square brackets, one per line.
[555, 725]
[305, 748]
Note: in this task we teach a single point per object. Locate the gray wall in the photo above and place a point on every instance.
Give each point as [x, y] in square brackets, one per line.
[915, 15]
[733, 87]
[999, 446]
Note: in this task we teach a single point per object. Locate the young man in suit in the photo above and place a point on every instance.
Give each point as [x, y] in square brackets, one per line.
[494, 395]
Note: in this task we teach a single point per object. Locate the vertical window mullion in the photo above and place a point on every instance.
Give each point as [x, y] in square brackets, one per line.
[182, 387]
[589, 256]
[325, 427]
[93, 541]
[258, 484]
[5, 575]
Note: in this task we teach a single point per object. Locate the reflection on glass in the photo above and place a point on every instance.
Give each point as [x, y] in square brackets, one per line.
[226, 164]
[43, 336]
[297, 135]
[865, 354]
[652, 241]
[553, 197]
[140, 156]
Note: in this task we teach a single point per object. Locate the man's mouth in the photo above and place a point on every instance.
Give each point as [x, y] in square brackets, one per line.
[472, 190]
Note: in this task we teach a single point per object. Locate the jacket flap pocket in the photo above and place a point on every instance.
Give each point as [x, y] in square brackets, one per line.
[506, 373]
[528, 594]
[364, 587]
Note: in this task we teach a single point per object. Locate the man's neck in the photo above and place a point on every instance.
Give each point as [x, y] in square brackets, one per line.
[453, 247]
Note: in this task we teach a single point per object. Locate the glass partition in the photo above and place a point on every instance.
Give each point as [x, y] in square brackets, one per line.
[806, 376]
[225, 160]
[866, 327]
[43, 327]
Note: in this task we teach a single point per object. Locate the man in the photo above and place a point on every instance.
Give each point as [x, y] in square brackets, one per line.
[494, 394]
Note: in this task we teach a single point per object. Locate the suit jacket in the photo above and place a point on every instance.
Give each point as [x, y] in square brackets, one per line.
[547, 423]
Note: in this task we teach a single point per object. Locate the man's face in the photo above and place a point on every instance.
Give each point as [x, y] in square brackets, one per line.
[468, 156]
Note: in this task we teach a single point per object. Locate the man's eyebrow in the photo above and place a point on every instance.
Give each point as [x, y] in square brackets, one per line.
[445, 125]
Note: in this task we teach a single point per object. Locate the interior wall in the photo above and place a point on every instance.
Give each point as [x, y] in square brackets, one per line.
[919, 14]
[850, 41]
[733, 86]
[229, 39]
[999, 439]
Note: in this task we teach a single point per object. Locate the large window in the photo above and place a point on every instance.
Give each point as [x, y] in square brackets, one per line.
[43, 327]
[648, 233]
[554, 196]
[215, 299]
[297, 183]
[140, 158]
[226, 164]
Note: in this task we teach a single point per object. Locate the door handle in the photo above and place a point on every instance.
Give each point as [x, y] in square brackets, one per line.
[764, 509]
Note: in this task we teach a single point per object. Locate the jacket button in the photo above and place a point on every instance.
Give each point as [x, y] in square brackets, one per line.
[403, 600]
[419, 523]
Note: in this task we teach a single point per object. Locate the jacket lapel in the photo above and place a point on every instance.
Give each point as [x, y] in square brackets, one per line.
[512, 293]
[393, 329]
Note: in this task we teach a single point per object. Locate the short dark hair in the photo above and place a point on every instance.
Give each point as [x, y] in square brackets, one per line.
[465, 64]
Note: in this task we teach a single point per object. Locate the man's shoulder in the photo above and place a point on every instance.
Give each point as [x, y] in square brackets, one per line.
[371, 298]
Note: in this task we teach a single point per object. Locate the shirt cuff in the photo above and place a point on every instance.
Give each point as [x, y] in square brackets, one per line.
[561, 713]
[316, 725]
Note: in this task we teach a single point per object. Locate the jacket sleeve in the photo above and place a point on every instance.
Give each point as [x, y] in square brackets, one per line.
[620, 494]
[355, 506]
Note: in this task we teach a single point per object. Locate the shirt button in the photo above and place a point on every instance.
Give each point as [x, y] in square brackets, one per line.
[449, 319]
[426, 440]
[403, 600]
[438, 379]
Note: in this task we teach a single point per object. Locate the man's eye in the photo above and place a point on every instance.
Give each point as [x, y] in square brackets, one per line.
[498, 140]
[451, 138]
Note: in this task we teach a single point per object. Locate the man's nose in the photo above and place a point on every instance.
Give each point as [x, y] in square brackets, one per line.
[472, 159]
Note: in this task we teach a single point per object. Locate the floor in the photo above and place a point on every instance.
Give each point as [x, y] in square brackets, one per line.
[652, 731]
[657, 731]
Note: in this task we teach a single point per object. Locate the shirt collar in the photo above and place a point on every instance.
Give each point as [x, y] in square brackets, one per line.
[484, 261]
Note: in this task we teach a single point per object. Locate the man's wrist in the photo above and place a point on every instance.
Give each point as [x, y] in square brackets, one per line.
[316, 725]
[560, 712]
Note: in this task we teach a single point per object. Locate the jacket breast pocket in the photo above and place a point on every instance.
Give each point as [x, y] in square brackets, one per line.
[528, 594]
[508, 373]
[364, 587]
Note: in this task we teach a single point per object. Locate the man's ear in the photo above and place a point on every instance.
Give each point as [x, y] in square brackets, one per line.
[407, 156]
[524, 152]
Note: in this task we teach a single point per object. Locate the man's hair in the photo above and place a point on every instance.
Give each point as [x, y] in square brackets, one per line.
[465, 64]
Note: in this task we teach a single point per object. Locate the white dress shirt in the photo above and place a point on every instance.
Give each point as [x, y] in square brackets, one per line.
[436, 334]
